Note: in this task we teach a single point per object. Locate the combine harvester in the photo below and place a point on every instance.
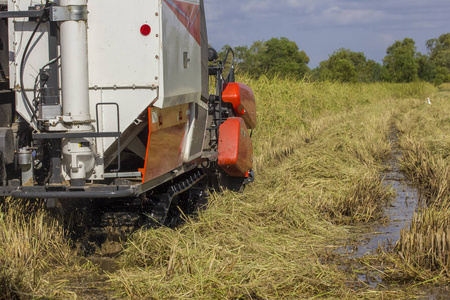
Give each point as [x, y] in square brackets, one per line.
[107, 103]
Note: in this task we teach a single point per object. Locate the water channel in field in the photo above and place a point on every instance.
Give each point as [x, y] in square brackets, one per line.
[397, 215]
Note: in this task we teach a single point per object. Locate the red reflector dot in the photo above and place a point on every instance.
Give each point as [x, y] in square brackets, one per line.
[146, 29]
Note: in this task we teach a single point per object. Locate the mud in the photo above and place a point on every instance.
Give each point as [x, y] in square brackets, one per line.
[436, 293]
[104, 264]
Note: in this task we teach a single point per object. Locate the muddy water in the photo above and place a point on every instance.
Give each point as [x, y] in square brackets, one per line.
[397, 215]
[385, 233]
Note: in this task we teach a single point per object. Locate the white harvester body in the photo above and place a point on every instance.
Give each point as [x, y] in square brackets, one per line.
[123, 66]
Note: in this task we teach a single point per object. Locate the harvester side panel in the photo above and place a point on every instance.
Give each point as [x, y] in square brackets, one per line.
[124, 64]
[193, 146]
[165, 141]
[181, 53]
[119, 54]
[162, 69]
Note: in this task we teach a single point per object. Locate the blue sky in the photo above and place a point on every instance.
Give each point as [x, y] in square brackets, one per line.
[319, 27]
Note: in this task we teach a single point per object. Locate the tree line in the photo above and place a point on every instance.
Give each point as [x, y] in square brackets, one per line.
[402, 63]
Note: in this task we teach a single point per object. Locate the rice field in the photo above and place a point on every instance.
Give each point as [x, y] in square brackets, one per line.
[320, 155]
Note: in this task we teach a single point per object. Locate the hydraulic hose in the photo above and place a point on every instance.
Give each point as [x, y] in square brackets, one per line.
[24, 57]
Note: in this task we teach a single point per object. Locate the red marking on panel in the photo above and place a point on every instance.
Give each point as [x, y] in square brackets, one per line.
[189, 16]
[143, 171]
[146, 29]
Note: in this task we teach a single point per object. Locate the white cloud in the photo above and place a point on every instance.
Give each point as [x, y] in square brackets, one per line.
[423, 25]
[305, 6]
[385, 38]
[254, 6]
[337, 15]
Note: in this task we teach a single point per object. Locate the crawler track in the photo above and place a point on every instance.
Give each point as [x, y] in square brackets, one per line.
[96, 221]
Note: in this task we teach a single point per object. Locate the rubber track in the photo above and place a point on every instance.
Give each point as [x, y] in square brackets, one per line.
[159, 212]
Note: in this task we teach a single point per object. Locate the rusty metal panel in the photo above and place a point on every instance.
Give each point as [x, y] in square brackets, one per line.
[166, 138]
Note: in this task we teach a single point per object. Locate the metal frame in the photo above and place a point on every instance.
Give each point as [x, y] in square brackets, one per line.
[21, 14]
[74, 135]
[63, 192]
[118, 129]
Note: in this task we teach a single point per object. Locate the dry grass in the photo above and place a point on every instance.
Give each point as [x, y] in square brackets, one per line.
[201, 260]
[35, 256]
[28, 246]
[427, 241]
[422, 253]
[319, 152]
[428, 171]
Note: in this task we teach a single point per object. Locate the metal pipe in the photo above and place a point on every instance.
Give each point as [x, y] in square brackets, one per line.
[74, 66]
[25, 157]
[78, 156]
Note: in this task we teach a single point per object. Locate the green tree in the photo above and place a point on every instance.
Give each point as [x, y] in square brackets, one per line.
[348, 66]
[439, 50]
[274, 57]
[426, 70]
[371, 71]
[442, 75]
[439, 56]
[240, 52]
[400, 64]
